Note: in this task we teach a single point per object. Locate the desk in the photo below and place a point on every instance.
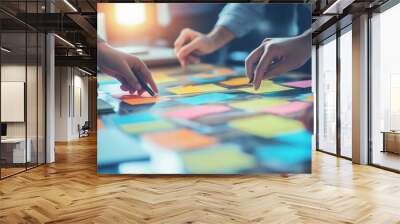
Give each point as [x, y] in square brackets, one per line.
[205, 120]
[391, 141]
[17, 152]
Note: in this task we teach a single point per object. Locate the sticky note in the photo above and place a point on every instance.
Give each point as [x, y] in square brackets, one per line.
[141, 127]
[160, 78]
[196, 111]
[133, 118]
[258, 104]
[100, 124]
[181, 139]
[111, 89]
[301, 138]
[206, 80]
[224, 71]
[139, 100]
[207, 75]
[285, 109]
[308, 97]
[115, 147]
[236, 81]
[267, 86]
[104, 107]
[106, 80]
[190, 89]
[206, 98]
[267, 126]
[299, 84]
[283, 154]
[227, 158]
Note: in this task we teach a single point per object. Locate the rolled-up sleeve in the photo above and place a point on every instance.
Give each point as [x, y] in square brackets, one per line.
[240, 18]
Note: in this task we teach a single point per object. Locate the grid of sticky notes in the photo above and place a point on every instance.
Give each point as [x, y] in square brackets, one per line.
[258, 128]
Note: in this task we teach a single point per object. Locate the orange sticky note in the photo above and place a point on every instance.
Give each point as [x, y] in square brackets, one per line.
[224, 71]
[181, 139]
[138, 100]
[99, 124]
[236, 81]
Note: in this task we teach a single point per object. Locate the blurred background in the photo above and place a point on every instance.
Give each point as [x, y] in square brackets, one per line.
[159, 24]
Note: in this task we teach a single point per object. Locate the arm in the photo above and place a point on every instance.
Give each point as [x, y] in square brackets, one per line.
[235, 20]
[240, 18]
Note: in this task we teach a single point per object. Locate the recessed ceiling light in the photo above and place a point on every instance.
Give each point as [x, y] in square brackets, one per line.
[70, 5]
[5, 50]
[64, 40]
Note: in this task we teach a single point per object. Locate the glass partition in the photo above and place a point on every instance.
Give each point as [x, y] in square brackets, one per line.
[327, 96]
[14, 151]
[23, 90]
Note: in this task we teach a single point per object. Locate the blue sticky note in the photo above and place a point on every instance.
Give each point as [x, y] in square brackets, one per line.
[301, 138]
[283, 154]
[133, 118]
[206, 80]
[115, 147]
[206, 98]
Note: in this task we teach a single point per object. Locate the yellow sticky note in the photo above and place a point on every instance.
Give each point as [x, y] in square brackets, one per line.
[236, 81]
[258, 104]
[163, 78]
[267, 86]
[267, 126]
[206, 75]
[226, 158]
[136, 128]
[190, 89]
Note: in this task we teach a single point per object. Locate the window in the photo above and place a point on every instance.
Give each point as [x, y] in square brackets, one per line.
[327, 96]
[385, 89]
[346, 93]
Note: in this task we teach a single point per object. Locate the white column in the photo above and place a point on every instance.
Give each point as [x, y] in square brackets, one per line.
[360, 90]
[50, 93]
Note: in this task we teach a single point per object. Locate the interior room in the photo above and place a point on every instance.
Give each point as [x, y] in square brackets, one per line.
[54, 111]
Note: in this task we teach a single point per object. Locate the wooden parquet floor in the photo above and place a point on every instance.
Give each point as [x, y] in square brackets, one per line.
[70, 191]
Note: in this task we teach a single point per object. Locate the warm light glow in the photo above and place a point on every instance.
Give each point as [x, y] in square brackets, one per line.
[130, 14]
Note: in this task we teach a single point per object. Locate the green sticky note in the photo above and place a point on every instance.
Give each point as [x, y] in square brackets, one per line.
[227, 158]
[137, 128]
[267, 86]
[267, 126]
[258, 104]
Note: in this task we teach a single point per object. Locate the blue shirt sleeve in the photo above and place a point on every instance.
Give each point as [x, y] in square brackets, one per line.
[240, 18]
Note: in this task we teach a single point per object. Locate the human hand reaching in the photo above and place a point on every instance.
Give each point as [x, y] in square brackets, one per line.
[125, 68]
[190, 44]
[276, 56]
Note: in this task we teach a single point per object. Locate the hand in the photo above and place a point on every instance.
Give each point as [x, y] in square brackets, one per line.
[276, 56]
[190, 44]
[124, 68]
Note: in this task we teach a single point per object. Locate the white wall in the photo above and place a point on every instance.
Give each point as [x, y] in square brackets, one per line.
[71, 94]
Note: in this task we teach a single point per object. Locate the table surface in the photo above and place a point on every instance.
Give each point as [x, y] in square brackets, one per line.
[206, 119]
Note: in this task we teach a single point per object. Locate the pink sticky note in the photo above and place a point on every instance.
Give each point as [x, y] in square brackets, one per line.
[196, 111]
[285, 109]
[299, 84]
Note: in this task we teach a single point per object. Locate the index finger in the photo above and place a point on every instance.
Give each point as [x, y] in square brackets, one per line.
[262, 67]
[183, 37]
[251, 61]
[146, 74]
